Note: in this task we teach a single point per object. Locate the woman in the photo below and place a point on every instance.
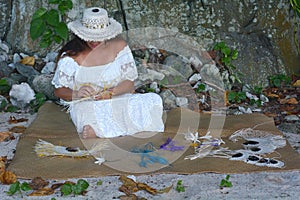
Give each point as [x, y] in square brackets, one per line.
[95, 75]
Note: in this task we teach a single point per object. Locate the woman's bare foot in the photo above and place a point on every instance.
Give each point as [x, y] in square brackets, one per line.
[88, 132]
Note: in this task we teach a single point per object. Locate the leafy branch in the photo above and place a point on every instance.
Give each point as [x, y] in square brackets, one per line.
[49, 25]
[296, 8]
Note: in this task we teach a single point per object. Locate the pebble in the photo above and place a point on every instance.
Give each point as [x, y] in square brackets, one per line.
[291, 118]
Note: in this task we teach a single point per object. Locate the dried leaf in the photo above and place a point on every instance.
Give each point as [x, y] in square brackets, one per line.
[8, 178]
[18, 129]
[2, 166]
[38, 183]
[14, 120]
[272, 95]
[143, 186]
[288, 101]
[130, 184]
[28, 60]
[56, 186]
[42, 192]
[297, 83]
[4, 136]
[128, 197]
[226, 101]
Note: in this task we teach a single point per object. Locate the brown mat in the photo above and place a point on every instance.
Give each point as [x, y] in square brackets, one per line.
[54, 125]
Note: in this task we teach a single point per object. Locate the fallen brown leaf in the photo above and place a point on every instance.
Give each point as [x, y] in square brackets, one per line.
[38, 183]
[42, 192]
[128, 197]
[18, 129]
[5, 135]
[297, 83]
[271, 95]
[14, 120]
[143, 186]
[2, 166]
[226, 101]
[288, 101]
[130, 186]
[56, 186]
[8, 178]
[28, 60]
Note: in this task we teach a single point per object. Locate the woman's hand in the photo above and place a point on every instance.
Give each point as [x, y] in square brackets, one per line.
[85, 91]
[107, 94]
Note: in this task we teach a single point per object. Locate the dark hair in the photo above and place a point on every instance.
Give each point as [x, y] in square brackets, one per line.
[72, 48]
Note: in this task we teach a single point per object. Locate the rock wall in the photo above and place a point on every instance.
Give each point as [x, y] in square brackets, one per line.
[261, 31]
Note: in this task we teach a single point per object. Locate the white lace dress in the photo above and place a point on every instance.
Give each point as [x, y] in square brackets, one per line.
[122, 115]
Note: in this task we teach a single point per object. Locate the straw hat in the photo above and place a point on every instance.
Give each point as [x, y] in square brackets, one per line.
[95, 25]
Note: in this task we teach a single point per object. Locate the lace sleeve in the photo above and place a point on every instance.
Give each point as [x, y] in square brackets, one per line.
[128, 66]
[64, 74]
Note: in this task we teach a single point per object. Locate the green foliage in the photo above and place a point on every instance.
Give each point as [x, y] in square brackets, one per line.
[225, 182]
[200, 88]
[49, 25]
[279, 80]
[4, 87]
[228, 55]
[18, 187]
[236, 97]
[179, 186]
[296, 6]
[99, 182]
[39, 100]
[76, 189]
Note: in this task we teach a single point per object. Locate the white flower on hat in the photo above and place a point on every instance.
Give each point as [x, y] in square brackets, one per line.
[95, 25]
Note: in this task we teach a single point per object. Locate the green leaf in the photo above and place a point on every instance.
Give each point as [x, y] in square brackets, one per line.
[277, 82]
[37, 28]
[47, 34]
[234, 54]
[67, 4]
[226, 51]
[62, 30]
[4, 87]
[99, 182]
[83, 184]
[64, 6]
[45, 42]
[231, 96]
[40, 13]
[227, 177]
[11, 108]
[219, 46]
[179, 186]
[15, 187]
[52, 17]
[66, 189]
[3, 104]
[25, 187]
[226, 61]
[77, 189]
[201, 87]
[57, 39]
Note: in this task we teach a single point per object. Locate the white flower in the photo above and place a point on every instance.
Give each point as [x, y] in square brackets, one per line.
[192, 137]
[99, 160]
[207, 136]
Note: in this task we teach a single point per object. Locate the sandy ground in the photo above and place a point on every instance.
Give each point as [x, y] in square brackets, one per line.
[271, 185]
